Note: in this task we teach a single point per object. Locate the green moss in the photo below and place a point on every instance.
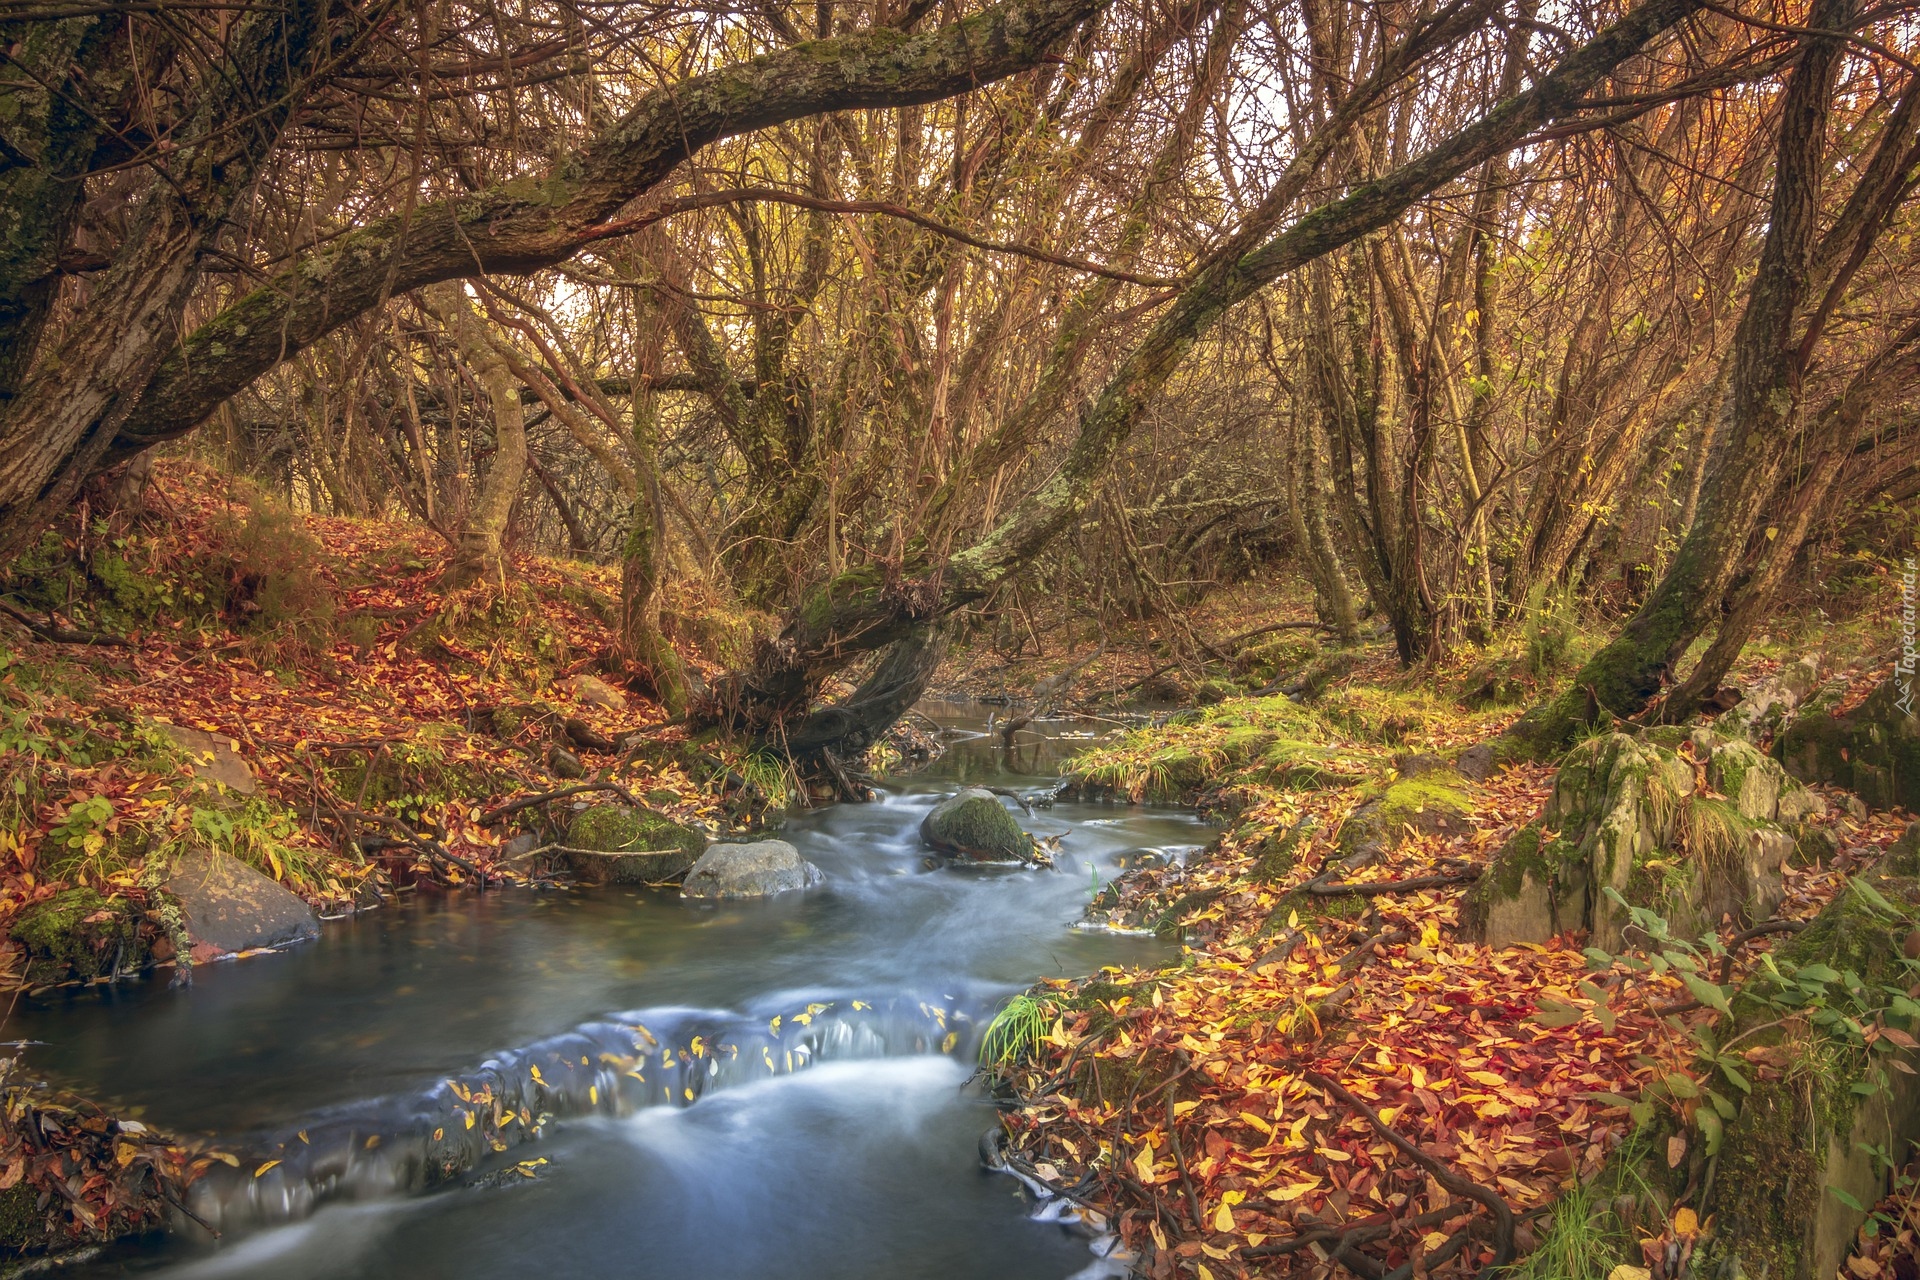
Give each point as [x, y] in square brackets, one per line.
[1243, 745]
[1305, 765]
[611, 828]
[22, 1226]
[61, 941]
[1274, 857]
[436, 765]
[1387, 716]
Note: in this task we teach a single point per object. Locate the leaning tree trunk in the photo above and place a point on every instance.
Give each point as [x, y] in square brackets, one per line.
[1768, 362]
[839, 735]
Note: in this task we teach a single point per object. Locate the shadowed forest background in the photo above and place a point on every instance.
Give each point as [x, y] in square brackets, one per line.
[446, 445]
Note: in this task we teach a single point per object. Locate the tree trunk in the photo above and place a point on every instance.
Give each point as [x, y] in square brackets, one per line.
[478, 544]
[645, 647]
[1765, 391]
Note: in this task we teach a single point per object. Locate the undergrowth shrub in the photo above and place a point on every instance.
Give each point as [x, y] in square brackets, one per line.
[1551, 629]
[266, 575]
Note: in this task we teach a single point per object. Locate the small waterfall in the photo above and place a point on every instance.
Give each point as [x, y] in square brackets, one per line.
[650, 1058]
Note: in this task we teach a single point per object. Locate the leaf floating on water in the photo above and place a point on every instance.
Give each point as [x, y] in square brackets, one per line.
[263, 1168]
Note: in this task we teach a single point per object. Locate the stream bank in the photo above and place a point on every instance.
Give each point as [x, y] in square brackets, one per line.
[819, 1043]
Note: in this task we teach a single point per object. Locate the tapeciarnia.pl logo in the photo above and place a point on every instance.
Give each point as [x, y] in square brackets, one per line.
[1904, 669]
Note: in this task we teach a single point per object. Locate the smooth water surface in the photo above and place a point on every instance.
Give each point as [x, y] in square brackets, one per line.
[862, 1165]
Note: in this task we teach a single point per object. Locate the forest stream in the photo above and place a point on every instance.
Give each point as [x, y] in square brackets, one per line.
[346, 1062]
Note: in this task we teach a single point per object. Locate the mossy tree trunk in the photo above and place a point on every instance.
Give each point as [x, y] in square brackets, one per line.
[1769, 358]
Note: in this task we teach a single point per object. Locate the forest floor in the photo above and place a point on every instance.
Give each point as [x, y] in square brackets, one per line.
[1190, 1108]
[321, 655]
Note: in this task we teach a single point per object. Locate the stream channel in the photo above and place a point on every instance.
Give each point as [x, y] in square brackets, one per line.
[684, 1132]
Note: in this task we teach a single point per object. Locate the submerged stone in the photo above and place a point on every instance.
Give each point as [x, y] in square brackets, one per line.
[757, 870]
[973, 824]
[230, 906]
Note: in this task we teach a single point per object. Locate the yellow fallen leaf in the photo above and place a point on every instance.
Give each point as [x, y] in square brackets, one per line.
[1286, 1195]
[263, 1168]
[1686, 1223]
[1223, 1218]
[1491, 1079]
[1625, 1272]
[1143, 1165]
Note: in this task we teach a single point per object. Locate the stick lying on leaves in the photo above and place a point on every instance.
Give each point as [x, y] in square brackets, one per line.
[62, 635]
[1334, 889]
[512, 807]
[1453, 1182]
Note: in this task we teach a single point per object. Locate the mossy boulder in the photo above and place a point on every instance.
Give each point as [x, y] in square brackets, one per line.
[1626, 815]
[1767, 704]
[1806, 1136]
[974, 825]
[612, 844]
[1431, 801]
[78, 934]
[1872, 751]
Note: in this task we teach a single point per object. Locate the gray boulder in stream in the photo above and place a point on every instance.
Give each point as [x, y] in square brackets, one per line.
[230, 906]
[973, 824]
[757, 870]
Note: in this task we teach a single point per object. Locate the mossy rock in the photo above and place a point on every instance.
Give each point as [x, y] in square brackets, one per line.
[974, 825]
[1872, 751]
[1800, 1136]
[1755, 782]
[1628, 820]
[1436, 801]
[64, 939]
[1613, 803]
[616, 845]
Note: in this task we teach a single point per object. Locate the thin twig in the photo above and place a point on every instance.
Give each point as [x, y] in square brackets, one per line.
[1446, 1177]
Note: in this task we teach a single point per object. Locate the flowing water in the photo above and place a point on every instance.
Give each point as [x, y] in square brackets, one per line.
[751, 1089]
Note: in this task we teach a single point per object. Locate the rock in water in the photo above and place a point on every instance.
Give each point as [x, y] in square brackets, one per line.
[229, 905]
[612, 844]
[757, 870]
[973, 824]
